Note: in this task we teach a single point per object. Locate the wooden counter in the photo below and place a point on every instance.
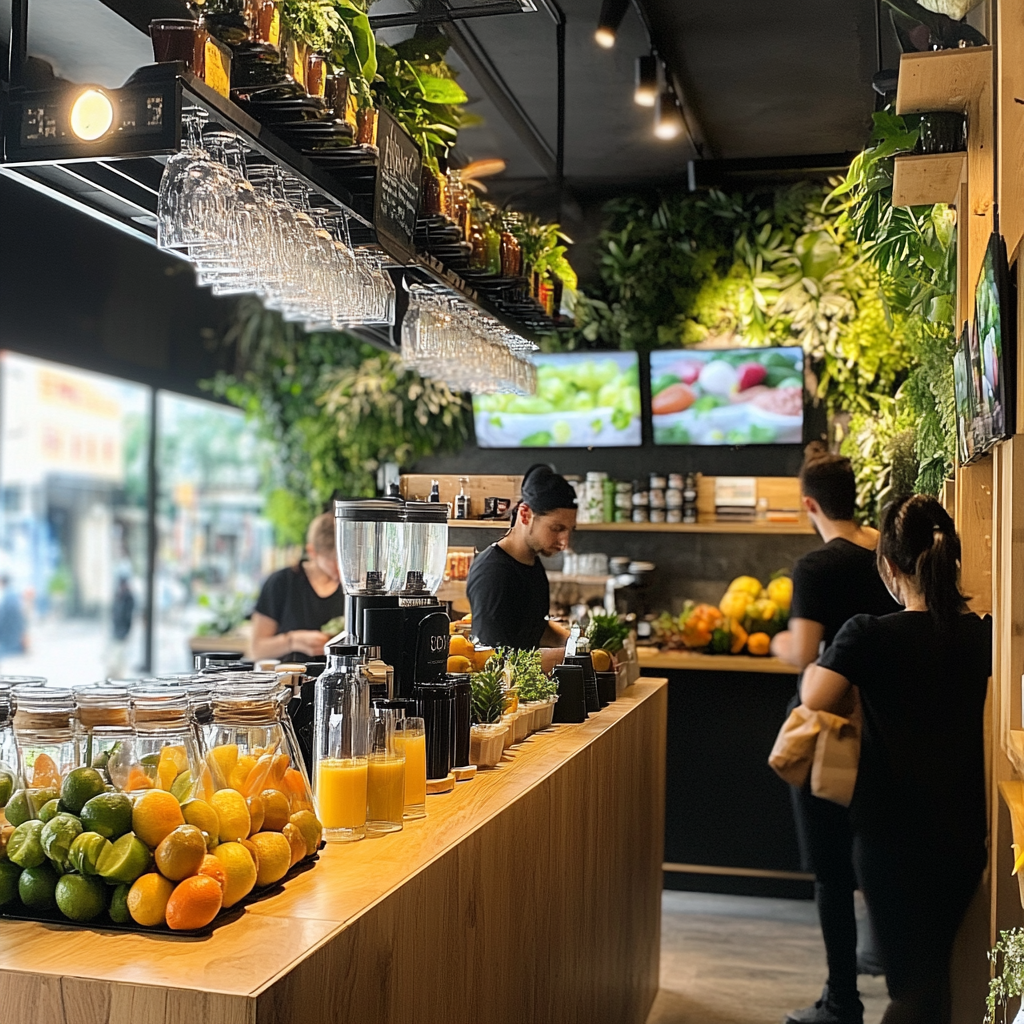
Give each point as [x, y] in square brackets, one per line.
[651, 657]
[531, 893]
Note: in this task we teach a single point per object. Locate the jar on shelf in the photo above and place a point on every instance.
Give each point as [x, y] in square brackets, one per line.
[103, 721]
[44, 734]
[8, 746]
[163, 752]
[251, 744]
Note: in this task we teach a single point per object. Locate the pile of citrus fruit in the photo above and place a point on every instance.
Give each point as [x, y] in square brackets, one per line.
[464, 655]
[77, 845]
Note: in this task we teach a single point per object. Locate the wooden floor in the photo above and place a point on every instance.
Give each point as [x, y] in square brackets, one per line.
[743, 960]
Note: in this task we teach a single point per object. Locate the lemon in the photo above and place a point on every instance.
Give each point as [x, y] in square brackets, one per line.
[239, 870]
[257, 811]
[199, 813]
[57, 836]
[147, 899]
[275, 810]
[109, 814]
[124, 861]
[240, 773]
[232, 814]
[312, 831]
[275, 856]
[80, 785]
[85, 852]
[80, 898]
[181, 853]
[36, 887]
[222, 760]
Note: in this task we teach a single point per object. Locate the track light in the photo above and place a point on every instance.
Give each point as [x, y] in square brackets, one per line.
[612, 13]
[646, 92]
[92, 115]
[668, 116]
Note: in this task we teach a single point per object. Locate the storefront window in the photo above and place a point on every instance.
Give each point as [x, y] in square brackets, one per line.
[73, 476]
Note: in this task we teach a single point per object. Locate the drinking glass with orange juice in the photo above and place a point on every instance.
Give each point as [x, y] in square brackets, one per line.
[385, 782]
[411, 742]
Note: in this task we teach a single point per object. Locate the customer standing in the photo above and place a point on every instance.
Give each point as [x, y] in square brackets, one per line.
[830, 586]
[918, 810]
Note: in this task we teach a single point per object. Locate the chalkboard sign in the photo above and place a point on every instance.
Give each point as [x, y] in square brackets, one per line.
[397, 200]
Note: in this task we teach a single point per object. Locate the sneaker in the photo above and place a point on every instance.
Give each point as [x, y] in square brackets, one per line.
[826, 1011]
[868, 964]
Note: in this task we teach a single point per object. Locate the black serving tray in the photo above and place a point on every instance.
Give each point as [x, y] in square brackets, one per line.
[104, 924]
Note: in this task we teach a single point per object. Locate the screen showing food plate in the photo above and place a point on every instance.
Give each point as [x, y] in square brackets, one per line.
[728, 396]
[983, 361]
[583, 400]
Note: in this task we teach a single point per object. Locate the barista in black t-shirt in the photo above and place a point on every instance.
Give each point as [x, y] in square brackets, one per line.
[507, 586]
[830, 586]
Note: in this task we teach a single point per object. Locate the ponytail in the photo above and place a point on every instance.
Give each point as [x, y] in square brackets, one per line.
[919, 538]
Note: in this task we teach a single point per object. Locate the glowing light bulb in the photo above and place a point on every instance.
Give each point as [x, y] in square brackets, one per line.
[92, 114]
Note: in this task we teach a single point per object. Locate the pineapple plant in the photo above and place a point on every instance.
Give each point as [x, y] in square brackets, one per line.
[488, 694]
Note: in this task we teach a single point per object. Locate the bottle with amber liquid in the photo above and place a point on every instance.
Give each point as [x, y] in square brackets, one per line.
[431, 204]
[458, 204]
[492, 238]
[511, 253]
[478, 240]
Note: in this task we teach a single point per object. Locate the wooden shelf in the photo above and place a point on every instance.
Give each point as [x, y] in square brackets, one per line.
[927, 178]
[943, 79]
[801, 528]
[651, 657]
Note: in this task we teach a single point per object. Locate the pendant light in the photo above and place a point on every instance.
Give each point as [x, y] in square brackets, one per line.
[668, 117]
[612, 13]
[645, 93]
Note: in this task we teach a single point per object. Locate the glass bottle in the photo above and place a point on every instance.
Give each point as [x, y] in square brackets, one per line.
[462, 499]
[511, 252]
[385, 774]
[103, 720]
[431, 204]
[458, 198]
[340, 739]
[492, 239]
[44, 733]
[478, 241]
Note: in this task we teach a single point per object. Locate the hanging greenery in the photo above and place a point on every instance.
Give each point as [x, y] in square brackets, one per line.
[334, 410]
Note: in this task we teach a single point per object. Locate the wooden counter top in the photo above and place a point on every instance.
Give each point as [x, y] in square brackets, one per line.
[651, 657]
[368, 908]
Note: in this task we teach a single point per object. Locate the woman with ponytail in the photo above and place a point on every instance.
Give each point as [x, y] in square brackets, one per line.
[918, 811]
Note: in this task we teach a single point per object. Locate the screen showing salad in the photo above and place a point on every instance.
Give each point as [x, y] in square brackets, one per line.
[728, 396]
[583, 400]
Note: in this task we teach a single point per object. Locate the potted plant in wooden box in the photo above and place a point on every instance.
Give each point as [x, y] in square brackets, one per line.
[487, 736]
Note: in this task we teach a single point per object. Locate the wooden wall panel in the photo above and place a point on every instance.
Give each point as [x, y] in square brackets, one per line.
[974, 524]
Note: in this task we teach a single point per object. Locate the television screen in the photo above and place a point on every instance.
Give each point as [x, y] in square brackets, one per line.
[728, 396]
[583, 400]
[984, 365]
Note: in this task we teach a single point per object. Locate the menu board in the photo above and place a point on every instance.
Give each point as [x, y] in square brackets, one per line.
[397, 199]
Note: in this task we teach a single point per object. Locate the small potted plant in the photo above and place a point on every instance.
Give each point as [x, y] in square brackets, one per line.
[536, 690]
[1008, 957]
[487, 737]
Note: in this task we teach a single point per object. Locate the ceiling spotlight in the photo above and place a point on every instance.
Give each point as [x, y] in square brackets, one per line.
[92, 114]
[646, 92]
[668, 116]
[612, 13]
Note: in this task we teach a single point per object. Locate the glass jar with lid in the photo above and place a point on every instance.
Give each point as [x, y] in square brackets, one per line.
[163, 752]
[8, 747]
[103, 721]
[45, 734]
[251, 744]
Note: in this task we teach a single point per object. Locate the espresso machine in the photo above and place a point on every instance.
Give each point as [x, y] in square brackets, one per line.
[392, 557]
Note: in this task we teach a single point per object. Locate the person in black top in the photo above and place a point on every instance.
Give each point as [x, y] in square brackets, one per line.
[830, 585]
[295, 603]
[918, 811]
[507, 586]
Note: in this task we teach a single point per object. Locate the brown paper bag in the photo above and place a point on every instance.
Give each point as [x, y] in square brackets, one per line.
[836, 757]
[793, 754]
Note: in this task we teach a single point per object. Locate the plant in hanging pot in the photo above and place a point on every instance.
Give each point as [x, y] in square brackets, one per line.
[1008, 956]
[487, 736]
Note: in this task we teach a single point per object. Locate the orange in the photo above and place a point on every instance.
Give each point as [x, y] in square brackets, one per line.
[458, 663]
[297, 790]
[296, 841]
[759, 644]
[312, 831]
[194, 903]
[239, 871]
[275, 856]
[137, 779]
[459, 645]
[213, 867]
[147, 899]
[257, 809]
[602, 660]
[275, 810]
[45, 772]
[155, 815]
[181, 852]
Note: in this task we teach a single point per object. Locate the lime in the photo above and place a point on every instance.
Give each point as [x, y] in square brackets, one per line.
[81, 898]
[150, 760]
[181, 787]
[25, 804]
[24, 847]
[80, 785]
[36, 887]
[9, 875]
[6, 786]
[124, 860]
[57, 836]
[119, 905]
[110, 814]
[49, 810]
[85, 852]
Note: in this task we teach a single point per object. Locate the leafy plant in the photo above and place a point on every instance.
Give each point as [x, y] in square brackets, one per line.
[542, 247]
[528, 677]
[608, 632]
[229, 611]
[488, 694]
[1008, 956]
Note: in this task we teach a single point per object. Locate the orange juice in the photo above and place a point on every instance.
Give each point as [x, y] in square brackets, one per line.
[385, 793]
[415, 750]
[341, 792]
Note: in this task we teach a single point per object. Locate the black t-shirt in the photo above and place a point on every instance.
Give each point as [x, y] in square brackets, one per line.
[509, 600]
[836, 582]
[922, 763]
[289, 599]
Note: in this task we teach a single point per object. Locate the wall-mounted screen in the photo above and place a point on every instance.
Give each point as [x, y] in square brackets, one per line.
[583, 400]
[728, 396]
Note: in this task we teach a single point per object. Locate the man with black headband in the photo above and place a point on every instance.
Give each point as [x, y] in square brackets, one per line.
[508, 587]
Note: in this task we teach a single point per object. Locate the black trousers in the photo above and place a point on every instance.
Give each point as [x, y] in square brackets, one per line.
[917, 897]
[826, 847]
